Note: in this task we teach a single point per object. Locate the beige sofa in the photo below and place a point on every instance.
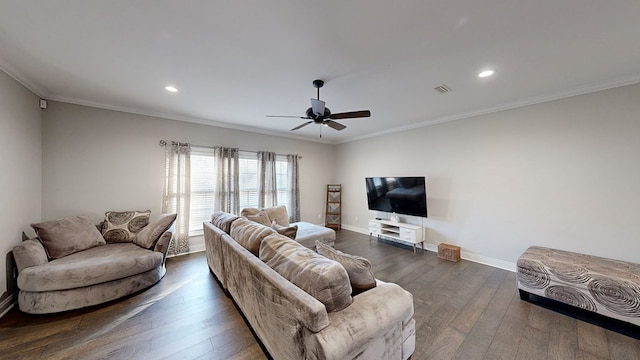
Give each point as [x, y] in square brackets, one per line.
[299, 303]
[70, 265]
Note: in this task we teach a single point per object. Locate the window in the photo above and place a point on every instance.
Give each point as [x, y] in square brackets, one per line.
[249, 178]
[203, 184]
[202, 188]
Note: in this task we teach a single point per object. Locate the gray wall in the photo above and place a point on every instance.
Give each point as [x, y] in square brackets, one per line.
[97, 160]
[21, 164]
[563, 174]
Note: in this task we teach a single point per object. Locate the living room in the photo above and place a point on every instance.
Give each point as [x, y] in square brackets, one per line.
[558, 169]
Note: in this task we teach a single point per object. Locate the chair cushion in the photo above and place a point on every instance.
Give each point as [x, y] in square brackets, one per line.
[122, 226]
[358, 268]
[89, 267]
[324, 279]
[66, 236]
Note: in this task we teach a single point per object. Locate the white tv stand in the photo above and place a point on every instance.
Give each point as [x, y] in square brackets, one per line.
[397, 231]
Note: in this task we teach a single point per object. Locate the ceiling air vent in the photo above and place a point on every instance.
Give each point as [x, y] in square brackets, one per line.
[443, 89]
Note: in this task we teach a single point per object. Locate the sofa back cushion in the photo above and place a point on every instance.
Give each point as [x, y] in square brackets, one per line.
[223, 220]
[278, 213]
[260, 217]
[149, 235]
[324, 279]
[249, 234]
[69, 235]
[358, 268]
[122, 226]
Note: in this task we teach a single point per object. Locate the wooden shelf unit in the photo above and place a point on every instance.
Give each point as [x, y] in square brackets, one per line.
[333, 214]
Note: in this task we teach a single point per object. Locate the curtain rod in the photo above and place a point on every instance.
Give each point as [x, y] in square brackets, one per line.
[165, 142]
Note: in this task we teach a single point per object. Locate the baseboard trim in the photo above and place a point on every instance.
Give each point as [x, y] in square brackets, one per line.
[466, 255]
[8, 303]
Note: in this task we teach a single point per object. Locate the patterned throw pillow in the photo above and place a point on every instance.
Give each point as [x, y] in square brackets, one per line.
[358, 268]
[123, 226]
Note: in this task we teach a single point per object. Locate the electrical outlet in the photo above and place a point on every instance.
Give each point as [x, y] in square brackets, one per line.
[356, 218]
[319, 216]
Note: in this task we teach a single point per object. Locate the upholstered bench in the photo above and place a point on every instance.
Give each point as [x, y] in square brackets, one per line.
[604, 286]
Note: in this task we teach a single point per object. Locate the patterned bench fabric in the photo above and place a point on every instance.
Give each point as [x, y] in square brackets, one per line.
[605, 286]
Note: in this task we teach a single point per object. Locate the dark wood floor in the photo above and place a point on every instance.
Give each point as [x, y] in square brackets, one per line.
[462, 310]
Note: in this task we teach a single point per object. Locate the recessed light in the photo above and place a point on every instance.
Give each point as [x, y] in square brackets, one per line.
[171, 88]
[486, 73]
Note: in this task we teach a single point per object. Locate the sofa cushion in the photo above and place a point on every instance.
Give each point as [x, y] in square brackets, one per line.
[278, 213]
[122, 226]
[66, 236]
[89, 267]
[358, 268]
[260, 217]
[149, 235]
[249, 234]
[223, 220]
[324, 279]
[288, 231]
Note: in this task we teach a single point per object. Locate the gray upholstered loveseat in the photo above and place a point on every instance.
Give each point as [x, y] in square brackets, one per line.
[299, 303]
[70, 265]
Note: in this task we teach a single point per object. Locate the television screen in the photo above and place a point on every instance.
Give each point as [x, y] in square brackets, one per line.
[401, 195]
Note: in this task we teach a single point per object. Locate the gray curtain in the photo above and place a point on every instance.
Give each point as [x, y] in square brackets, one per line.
[294, 191]
[267, 190]
[177, 191]
[227, 188]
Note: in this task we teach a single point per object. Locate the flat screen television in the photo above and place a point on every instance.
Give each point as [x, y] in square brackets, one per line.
[400, 195]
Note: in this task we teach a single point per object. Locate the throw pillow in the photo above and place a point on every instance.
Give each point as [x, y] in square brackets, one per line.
[288, 231]
[324, 279]
[358, 268]
[67, 236]
[122, 226]
[149, 235]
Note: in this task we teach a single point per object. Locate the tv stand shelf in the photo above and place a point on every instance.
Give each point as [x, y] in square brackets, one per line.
[397, 231]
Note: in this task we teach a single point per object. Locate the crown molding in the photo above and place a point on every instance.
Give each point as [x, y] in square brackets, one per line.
[23, 80]
[582, 90]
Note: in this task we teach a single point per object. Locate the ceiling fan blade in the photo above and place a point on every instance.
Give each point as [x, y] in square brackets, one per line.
[288, 116]
[317, 106]
[301, 125]
[334, 125]
[351, 114]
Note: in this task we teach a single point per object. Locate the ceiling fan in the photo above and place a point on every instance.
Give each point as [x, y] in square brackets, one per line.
[321, 115]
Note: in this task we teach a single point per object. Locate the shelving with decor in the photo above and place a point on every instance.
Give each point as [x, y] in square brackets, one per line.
[397, 231]
[333, 215]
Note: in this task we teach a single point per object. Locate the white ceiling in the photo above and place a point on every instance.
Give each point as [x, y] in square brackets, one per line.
[236, 61]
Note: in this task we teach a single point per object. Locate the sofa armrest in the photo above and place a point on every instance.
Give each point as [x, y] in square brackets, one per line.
[162, 245]
[374, 314]
[29, 253]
